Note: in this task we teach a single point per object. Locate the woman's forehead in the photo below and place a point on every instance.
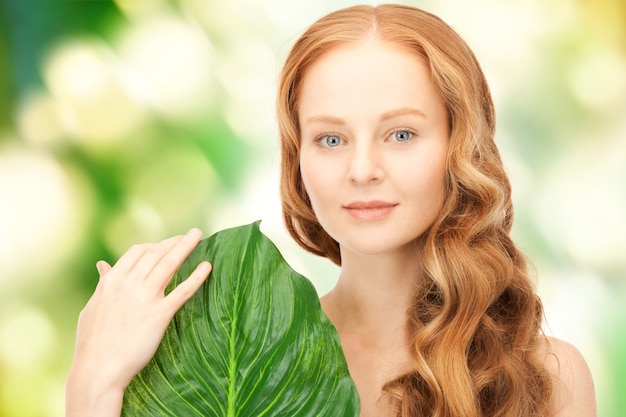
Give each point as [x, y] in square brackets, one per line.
[372, 74]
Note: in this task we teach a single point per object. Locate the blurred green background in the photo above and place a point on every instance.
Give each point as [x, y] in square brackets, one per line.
[128, 121]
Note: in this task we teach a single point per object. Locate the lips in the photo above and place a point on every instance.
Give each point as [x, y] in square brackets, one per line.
[369, 210]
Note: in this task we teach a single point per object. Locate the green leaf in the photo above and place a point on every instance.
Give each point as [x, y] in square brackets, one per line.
[252, 342]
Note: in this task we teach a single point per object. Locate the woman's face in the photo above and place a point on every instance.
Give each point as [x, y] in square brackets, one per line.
[373, 146]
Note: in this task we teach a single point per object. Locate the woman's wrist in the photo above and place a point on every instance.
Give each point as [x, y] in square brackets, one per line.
[88, 395]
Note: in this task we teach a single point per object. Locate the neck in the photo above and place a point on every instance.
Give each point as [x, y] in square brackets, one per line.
[373, 294]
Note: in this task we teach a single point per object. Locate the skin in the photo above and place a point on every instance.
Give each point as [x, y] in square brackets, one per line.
[387, 151]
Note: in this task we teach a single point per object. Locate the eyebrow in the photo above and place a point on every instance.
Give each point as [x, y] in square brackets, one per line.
[402, 112]
[326, 119]
[385, 116]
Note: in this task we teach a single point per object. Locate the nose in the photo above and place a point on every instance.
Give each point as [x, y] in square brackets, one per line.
[366, 164]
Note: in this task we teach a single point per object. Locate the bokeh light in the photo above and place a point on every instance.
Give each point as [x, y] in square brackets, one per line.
[84, 77]
[43, 212]
[168, 63]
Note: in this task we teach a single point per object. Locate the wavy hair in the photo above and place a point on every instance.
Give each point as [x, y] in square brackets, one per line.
[475, 320]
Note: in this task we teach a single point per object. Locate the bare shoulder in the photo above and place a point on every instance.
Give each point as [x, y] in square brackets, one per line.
[574, 392]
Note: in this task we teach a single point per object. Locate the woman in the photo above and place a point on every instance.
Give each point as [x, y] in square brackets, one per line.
[389, 170]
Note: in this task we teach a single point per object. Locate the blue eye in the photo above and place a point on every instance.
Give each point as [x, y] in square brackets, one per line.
[330, 141]
[401, 135]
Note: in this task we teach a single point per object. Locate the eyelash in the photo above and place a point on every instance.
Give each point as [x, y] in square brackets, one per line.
[320, 138]
[411, 132]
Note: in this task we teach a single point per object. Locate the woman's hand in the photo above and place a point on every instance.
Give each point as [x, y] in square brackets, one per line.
[123, 323]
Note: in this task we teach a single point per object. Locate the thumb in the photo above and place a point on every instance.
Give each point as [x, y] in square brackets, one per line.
[103, 268]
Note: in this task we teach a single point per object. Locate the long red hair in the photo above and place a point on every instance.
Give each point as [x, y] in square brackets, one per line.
[475, 321]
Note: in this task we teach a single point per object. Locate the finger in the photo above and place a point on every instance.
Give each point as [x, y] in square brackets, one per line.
[103, 268]
[128, 258]
[152, 255]
[186, 289]
[140, 260]
[171, 261]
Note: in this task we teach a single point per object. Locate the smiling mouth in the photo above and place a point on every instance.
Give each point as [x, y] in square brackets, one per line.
[369, 210]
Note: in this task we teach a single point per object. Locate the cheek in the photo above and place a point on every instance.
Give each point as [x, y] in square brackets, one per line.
[319, 182]
[312, 181]
[313, 173]
[429, 180]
